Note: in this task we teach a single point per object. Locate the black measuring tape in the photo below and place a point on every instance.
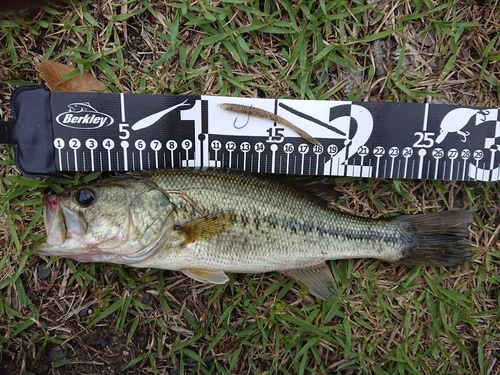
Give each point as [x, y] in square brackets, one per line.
[61, 131]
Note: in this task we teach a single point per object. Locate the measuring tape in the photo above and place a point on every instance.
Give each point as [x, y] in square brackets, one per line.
[125, 132]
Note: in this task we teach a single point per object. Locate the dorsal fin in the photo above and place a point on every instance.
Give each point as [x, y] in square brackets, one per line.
[319, 187]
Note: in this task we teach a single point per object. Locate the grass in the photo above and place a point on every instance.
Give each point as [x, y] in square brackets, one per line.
[387, 320]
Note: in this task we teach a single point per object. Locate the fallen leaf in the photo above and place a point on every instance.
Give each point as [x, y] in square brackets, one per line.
[53, 74]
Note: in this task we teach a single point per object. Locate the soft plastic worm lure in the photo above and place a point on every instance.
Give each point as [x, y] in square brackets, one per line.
[261, 113]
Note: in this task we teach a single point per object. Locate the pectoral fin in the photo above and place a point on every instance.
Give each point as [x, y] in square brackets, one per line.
[205, 227]
[206, 276]
[318, 280]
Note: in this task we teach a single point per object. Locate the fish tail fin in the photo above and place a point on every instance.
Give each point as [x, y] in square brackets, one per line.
[437, 239]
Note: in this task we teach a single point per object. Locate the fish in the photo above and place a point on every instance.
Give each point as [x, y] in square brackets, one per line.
[207, 223]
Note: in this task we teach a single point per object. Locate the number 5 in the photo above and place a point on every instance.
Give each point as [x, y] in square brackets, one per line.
[122, 129]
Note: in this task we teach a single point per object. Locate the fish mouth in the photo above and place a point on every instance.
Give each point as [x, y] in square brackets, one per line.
[61, 225]
[66, 229]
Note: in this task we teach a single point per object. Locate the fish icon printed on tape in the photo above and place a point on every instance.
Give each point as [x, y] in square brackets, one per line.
[81, 107]
[456, 120]
[155, 117]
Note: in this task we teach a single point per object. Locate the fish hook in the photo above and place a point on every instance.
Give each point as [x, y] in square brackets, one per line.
[241, 127]
[484, 113]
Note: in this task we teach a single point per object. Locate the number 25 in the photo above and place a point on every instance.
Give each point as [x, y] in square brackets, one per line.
[424, 139]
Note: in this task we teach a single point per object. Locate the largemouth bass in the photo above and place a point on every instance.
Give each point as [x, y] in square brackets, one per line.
[207, 223]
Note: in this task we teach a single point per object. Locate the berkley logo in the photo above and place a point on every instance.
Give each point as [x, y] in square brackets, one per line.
[83, 116]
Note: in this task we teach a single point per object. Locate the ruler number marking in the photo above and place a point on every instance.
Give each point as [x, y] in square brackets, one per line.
[245, 147]
[59, 145]
[75, 144]
[424, 139]
[124, 132]
[275, 135]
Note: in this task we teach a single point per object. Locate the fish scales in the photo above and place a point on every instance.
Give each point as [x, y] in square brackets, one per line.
[274, 226]
[207, 223]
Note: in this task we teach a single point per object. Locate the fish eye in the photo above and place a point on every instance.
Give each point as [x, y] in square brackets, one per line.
[85, 197]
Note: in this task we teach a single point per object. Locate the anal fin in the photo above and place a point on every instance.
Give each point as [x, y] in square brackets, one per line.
[318, 280]
[206, 276]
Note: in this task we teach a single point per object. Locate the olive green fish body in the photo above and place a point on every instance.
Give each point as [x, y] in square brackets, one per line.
[272, 226]
[206, 223]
